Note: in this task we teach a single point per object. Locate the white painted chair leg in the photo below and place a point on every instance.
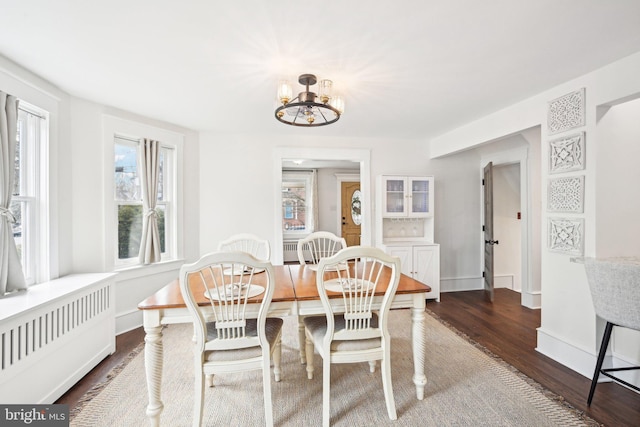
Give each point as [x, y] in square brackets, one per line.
[372, 366]
[209, 378]
[277, 356]
[266, 389]
[309, 355]
[198, 395]
[387, 386]
[326, 392]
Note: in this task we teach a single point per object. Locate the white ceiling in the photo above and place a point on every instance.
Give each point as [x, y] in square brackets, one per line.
[410, 68]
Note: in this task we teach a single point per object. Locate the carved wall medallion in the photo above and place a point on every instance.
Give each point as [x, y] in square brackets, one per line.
[567, 153]
[566, 235]
[566, 112]
[566, 194]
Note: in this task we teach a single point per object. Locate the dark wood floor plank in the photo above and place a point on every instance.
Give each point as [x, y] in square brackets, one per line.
[509, 331]
[125, 344]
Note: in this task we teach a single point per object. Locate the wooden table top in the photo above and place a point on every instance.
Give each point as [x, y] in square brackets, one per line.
[304, 280]
[171, 297]
[293, 282]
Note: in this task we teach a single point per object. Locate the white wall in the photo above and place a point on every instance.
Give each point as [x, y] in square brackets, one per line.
[77, 190]
[618, 207]
[568, 330]
[456, 196]
[618, 152]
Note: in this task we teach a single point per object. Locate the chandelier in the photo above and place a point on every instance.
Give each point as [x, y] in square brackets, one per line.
[308, 109]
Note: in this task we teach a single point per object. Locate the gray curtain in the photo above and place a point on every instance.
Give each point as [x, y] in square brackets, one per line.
[150, 172]
[11, 275]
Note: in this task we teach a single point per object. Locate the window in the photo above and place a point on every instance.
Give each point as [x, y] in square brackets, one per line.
[128, 199]
[297, 202]
[29, 190]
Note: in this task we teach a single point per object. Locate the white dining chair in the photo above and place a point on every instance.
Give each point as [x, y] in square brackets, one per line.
[318, 245]
[249, 243]
[311, 249]
[227, 338]
[353, 329]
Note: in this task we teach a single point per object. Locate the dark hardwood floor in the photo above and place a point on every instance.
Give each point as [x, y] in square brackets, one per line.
[509, 331]
[505, 328]
[125, 344]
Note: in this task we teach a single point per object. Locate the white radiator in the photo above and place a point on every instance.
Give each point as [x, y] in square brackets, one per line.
[53, 334]
[290, 250]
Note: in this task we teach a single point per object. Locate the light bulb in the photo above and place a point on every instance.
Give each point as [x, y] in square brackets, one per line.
[325, 87]
[285, 92]
[338, 103]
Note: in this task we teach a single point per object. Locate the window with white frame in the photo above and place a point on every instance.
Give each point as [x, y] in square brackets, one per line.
[128, 199]
[28, 202]
[297, 202]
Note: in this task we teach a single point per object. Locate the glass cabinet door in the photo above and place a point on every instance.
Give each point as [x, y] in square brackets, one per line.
[395, 201]
[420, 189]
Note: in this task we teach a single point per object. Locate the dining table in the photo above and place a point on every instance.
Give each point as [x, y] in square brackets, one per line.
[295, 294]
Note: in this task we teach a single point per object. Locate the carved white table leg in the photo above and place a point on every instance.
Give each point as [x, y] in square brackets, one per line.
[418, 330]
[301, 340]
[153, 366]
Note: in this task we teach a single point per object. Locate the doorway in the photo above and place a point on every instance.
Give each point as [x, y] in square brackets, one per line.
[361, 157]
[520, 155]
[507, 216]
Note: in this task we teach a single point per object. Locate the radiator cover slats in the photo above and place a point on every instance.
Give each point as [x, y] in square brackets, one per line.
[53, 334]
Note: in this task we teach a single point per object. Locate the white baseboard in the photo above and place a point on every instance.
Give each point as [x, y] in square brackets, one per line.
[572, 356]
[503, 281]
[127, 321]
[531, 299]
[582, 360]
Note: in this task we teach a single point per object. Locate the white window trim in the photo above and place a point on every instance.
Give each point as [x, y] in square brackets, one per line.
[115, 126]
[39, 224]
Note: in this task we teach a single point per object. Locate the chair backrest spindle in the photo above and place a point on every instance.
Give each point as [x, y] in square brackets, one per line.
[358, 273]
[319, 245]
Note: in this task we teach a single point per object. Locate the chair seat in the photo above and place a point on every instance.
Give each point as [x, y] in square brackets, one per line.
[273, 327]
[317, 327]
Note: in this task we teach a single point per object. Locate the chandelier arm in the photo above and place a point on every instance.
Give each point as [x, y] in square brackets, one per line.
[323, 116]
[297, 115]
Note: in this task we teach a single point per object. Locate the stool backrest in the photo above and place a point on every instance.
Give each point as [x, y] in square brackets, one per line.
[615, 289]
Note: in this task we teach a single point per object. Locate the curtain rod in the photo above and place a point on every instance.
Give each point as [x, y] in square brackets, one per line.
[127, 138]
[29, 111]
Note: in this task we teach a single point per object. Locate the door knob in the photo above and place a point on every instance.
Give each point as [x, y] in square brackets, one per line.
[491, 242]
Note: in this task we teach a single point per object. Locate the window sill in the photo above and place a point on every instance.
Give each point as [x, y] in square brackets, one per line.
[136, 271]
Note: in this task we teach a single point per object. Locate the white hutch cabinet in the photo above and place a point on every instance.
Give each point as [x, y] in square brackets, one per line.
[404, 227]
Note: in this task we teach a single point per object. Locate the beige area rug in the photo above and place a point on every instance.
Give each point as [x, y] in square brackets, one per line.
[466, 387]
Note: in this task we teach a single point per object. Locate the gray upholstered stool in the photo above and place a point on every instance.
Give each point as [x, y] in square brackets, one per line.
[615, 289]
